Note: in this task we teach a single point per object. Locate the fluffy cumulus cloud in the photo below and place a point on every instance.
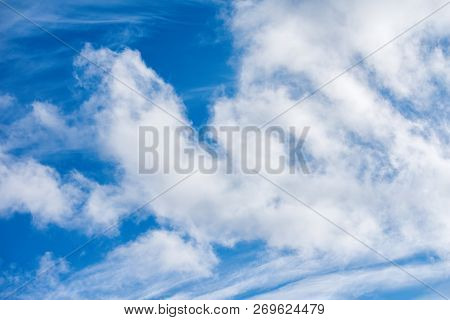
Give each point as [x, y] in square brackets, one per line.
[368, 149]
[377, 148]
[27, 186]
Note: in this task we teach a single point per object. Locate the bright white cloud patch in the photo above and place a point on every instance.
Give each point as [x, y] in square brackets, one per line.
[27, 186]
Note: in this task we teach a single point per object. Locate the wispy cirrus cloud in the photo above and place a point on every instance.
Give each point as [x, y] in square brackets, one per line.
[148, 266]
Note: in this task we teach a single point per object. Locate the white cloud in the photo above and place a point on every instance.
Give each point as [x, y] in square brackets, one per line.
[27, 186]
[45, 129]
[149, 266]
[357, 178]
[382, 175]
[6, 100]
[46, 277]
[359, 283]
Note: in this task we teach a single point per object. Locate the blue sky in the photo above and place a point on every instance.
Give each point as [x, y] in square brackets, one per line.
[379, 143]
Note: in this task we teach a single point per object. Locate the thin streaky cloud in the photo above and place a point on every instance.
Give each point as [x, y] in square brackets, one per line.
[377, 252]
